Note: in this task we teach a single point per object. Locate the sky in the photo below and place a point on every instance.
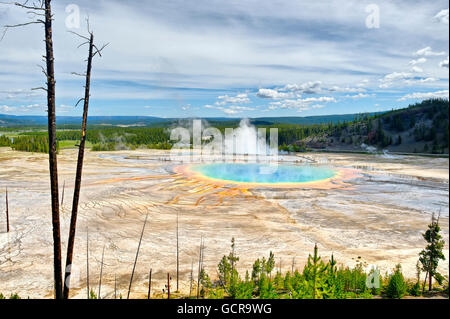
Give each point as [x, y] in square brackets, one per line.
[231, 58]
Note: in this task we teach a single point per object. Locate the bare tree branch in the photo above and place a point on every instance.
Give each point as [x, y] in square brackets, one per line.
[81, 36]
[24, 24]
[39, 88]
[99, 51]
[82, 99]
[79, 74]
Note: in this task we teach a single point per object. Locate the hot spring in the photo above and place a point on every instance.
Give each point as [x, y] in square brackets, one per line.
[263, 173]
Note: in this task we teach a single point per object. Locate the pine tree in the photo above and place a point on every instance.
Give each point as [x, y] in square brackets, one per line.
[430, 256]
[397, 285]
[315, 276]
[228, 275]
[270, 264]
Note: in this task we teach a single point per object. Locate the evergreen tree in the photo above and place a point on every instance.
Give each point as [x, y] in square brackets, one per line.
[430, 256]
[228, 275]
[397, 285]
[315, 276]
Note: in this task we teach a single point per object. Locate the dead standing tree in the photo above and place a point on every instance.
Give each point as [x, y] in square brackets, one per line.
[87, 264]
[93, 51]
[62, 196]
[178, 257]
[42, 15]
[200, 266]
[101, 275]
[149, 284]
[7, 212]
[136, 258]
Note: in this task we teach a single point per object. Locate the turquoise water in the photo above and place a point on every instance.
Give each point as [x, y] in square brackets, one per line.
[259, 173]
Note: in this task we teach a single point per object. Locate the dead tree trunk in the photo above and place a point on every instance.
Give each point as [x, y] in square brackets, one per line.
[62, 196]
[76, 193]
[101, 275]
[168, 285]
[93, 50]
[280, 266]
[430, 280]
[43, 11]
[87, 264]
[293, 265]
[178, 257]
[115, 286]
[7, 212]
[53, 163]
[425, 282]
[200, 267]
[149, 284]
[135, 260]
[191, 278]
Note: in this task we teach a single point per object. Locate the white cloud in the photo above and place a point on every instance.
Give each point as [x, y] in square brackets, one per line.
[442, 16]
[311, 87]
[348, 89]
[290, 91]
[416, 69]
[425, 80]
[363, 83]
[427, 51]
[319, 99]
[238, 99]
[231, 109]
[423, 96]
[273, 94]
[7, 109]
[235, 109]
[396, 76]
[358, 96]
[302, 104]
[418, 61]
[21, 108]
[389, 79]
[421, 80]
[444, 64]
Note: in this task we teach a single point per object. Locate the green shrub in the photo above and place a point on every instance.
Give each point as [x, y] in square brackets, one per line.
[415, 290]
[13, 296]
[397, 286]
[92, 295]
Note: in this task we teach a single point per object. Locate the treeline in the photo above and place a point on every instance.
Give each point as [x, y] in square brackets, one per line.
[5, 141]
[424, 123]
[110, 139]
[424, 126]
[38, 144]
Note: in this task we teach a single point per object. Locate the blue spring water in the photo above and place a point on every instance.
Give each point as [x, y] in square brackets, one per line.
[261, 173]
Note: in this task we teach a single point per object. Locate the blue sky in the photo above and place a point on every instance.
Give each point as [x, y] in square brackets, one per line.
[210, 58]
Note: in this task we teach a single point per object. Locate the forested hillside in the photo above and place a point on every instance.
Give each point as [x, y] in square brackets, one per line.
[420, 128]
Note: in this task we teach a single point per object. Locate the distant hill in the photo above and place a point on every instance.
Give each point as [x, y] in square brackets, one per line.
[147, 121]
[12, 120]
[420, 128]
